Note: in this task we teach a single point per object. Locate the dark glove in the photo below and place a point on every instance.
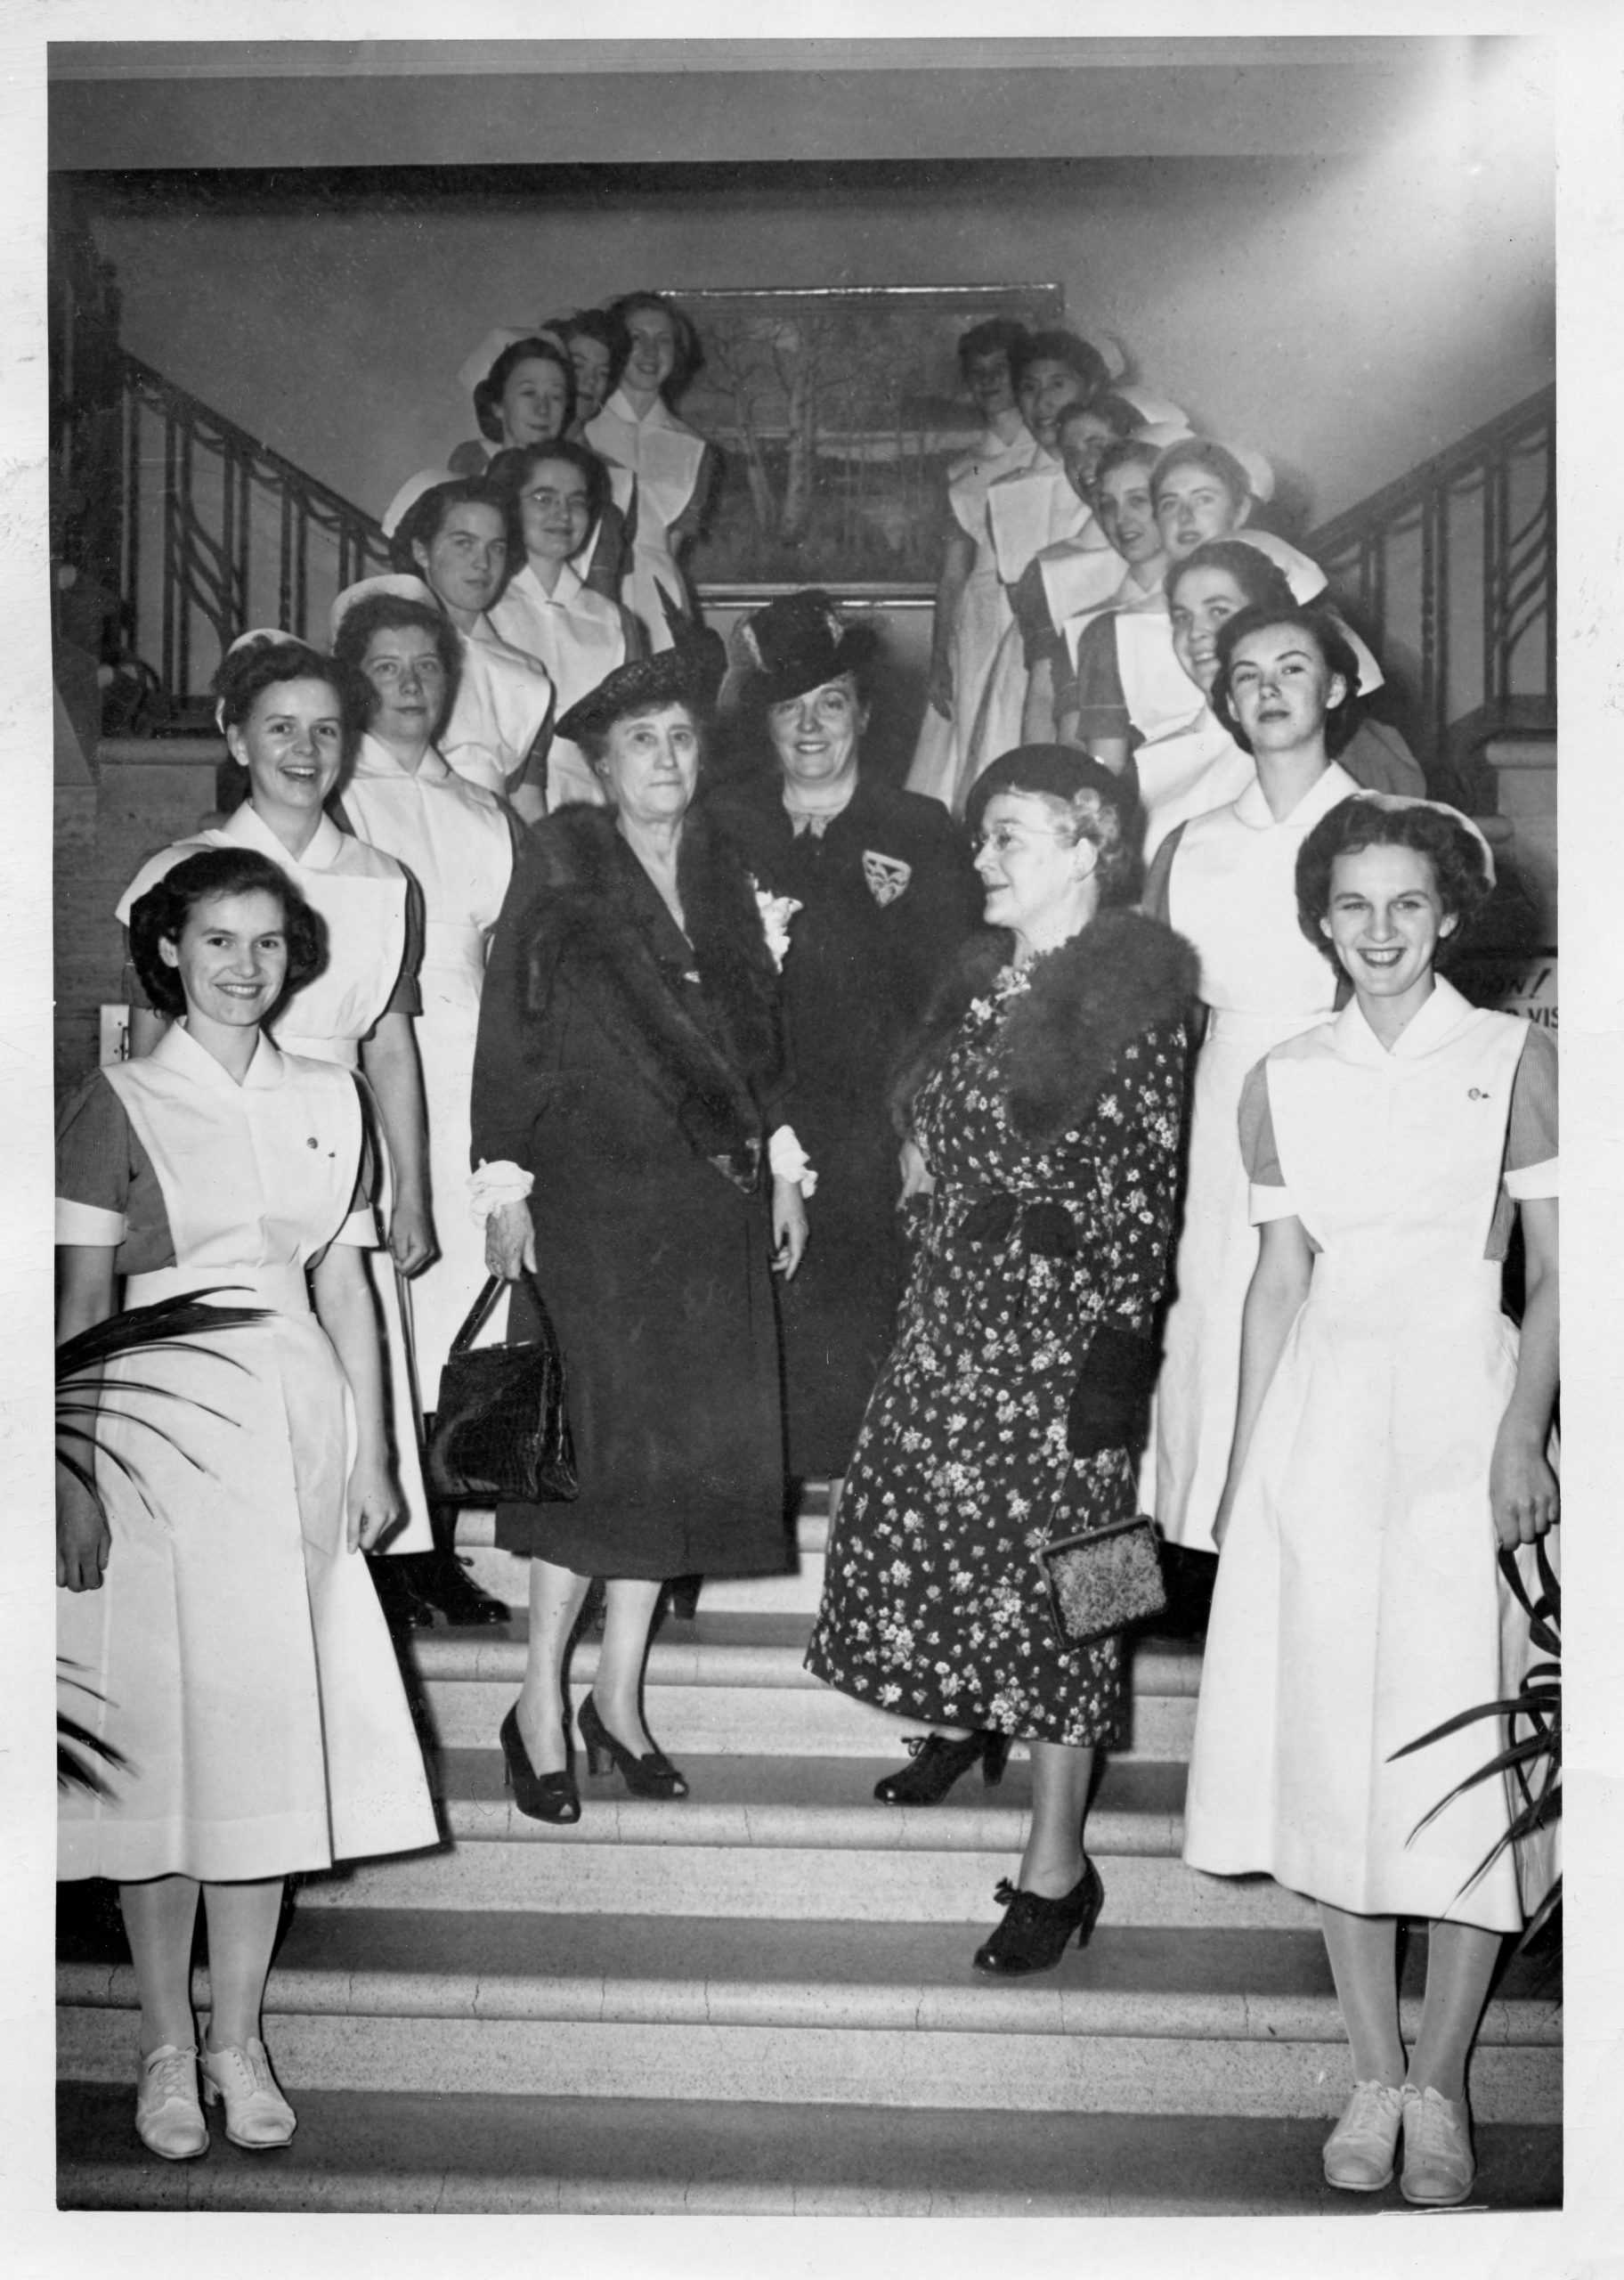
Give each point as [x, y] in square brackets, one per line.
[1112, 1395]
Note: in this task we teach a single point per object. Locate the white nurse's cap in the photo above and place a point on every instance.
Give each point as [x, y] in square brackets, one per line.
[392, 581]
[409, 494]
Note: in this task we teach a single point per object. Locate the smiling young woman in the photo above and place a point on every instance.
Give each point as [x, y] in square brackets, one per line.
[1392, 1434]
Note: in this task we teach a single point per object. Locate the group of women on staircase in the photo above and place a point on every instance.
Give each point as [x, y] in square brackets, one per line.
[839, 1138]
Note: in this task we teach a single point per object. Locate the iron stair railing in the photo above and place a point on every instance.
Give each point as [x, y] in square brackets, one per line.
[221, 533]
[1451, 571]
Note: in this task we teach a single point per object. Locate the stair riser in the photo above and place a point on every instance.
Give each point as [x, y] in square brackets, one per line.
[508, 1578]
[777, 1722]
[1012, 2073]
[775, 1881]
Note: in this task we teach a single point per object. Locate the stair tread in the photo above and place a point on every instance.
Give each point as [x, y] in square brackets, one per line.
[762, 1649]
[714, 1971]
[472, 2150]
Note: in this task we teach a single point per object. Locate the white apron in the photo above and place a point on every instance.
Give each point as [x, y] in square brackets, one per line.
[665, 456]
[581, 638]
[455, 841]
[243, 1662]
[504, 701]
[984, 617]
[1231, 892]
[1189, 761]
[1358, 1602]
[360, 892]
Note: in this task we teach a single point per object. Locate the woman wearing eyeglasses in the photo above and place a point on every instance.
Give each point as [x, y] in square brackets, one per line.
[1044, 1099]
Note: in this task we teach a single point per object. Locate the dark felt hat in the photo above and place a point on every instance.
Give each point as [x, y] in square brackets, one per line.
[799, 643]
[1061, 770]
[691, 673]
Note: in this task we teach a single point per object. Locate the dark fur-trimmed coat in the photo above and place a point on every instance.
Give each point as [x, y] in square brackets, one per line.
[637, 1075]
[588, 967]
[1125, 973]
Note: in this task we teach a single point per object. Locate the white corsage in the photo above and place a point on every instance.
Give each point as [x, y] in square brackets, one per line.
[494, 1184]
[776, 911]
[787, 1158]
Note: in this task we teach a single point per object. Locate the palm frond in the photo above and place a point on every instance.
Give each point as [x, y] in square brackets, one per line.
[165, 1319]
[1538, 1706]
[81, 1755]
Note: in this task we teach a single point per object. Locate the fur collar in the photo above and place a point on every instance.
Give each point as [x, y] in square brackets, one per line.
[1122, 975]
[598, 930]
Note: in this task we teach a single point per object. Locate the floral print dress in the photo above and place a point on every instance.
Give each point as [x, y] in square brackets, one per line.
[935, 1604]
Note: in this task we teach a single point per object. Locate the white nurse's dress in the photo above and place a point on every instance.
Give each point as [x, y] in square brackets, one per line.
[362, 894]
[235, 1654]
[1232, 892]
[1359, 1600]
[668, 459]
[456, 842]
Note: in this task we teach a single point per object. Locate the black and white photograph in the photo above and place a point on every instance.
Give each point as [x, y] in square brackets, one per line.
[804, 789]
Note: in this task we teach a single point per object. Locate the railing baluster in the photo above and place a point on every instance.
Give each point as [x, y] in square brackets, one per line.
[171, 582]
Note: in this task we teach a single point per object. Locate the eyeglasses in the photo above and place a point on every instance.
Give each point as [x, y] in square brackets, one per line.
[1003, 836]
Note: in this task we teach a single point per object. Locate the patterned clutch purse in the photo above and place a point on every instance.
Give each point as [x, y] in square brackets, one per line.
[1103, 1580]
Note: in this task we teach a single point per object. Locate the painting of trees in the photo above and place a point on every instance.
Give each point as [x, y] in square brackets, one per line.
[837, 414]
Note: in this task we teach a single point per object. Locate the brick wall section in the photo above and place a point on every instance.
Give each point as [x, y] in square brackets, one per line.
[145, 795]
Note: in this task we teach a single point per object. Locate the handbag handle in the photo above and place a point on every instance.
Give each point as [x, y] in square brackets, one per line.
[482, 1305]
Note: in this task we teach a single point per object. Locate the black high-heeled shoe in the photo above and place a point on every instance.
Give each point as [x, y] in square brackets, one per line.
[652, 1775]
[937, 1763]
[1035, 1932]
[538, 1796]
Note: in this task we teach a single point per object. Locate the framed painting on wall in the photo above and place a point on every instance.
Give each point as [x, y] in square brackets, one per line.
[838, 413]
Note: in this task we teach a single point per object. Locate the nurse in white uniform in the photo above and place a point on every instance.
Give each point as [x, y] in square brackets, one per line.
[397, 660]
[544, 609]
[1028, 509]
[1391, 1435]
[458, 537]
[1224, 881]
[675, 467]
[227, 1646]
[282, 718]
[972, 610]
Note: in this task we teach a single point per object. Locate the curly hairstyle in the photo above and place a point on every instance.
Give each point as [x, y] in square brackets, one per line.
[488, 392]
[511, 470]
[1459, 867]
[1195, 451]
[690, 355]
[1325, 631]
[161, 916]
[1125, 450]
[425, 518]
[1095, 803]
[602, 326]
[244, 674]
[384, 614]
[1258, 574]
[1119, 414]
[994, 337]
[1059, 346]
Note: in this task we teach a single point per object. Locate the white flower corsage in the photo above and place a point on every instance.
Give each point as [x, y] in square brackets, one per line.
[776, 911]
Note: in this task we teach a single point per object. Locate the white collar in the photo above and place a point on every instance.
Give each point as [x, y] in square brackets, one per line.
[178, 1049]
[658, 415]
[564, 594]
[374, 759]
[1252, 807]
[1441, 1015]
[246, 826]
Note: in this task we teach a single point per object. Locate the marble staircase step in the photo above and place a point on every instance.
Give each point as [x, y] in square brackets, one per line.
[1219, 2022]
[475, 2153]
[795, 1838]
[734, 1682]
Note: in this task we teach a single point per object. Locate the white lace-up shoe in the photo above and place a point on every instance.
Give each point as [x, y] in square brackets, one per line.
[1358, 2152]
[1438, 2164]
[257, 2114]
[168, 2118]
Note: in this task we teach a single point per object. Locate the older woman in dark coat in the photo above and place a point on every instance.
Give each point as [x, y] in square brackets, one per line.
[888, 893]
[629, 1065]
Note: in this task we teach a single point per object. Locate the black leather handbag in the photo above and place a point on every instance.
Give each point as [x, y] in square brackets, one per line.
[502, 1425]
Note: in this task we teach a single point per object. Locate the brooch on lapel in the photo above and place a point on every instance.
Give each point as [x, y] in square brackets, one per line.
[885, 877]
